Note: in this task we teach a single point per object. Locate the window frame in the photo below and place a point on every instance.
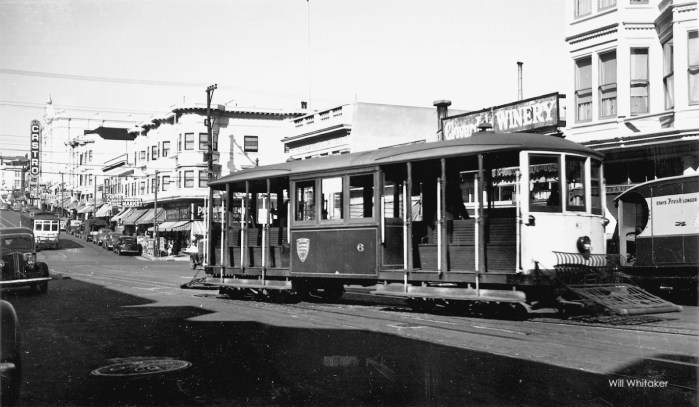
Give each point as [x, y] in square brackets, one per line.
[693, 67]
[248, 141]
[607, 87]
[669, 73]
[165, 150]
[188, 141]
[639, 83]
[190, 179]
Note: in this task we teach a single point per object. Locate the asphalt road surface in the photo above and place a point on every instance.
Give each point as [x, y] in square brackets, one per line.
[119, 331]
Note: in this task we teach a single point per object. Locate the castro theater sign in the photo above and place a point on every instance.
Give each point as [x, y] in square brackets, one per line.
[542, 113]
[34, 158]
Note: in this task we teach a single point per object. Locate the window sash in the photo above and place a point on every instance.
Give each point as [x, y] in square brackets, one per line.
[203, 179]
[189, 141]
[166, 148]
[251, 144]
[203, 141]
[583, 7]
[693, 66]
[189, 179]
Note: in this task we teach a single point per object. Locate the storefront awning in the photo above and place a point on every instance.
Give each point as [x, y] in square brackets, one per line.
[164, 227]
[150, 215]
[104, 211]
[86, 209]
[134, 216]
[182, 226]
[198, 228]
[121, 215]
[71, 205]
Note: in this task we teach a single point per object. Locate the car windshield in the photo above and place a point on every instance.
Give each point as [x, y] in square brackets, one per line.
[15, 243]
[128, 239]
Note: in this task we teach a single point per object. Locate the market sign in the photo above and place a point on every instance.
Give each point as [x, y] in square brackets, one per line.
[34, 145]
[541, 113]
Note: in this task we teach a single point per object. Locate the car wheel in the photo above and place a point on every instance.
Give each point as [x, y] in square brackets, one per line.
[192, 262]
[118, 252]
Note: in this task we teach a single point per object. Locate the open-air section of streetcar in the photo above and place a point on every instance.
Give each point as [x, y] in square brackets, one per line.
[506, 218]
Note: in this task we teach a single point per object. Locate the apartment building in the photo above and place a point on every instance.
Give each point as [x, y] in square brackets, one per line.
[634, 86]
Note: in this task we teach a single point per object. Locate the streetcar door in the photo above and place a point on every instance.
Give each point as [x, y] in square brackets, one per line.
[392, 221]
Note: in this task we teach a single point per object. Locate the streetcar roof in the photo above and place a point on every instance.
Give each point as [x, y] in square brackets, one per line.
[483, 142]
[644, 188]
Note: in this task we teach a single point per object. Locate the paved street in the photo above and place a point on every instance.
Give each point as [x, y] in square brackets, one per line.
[103, 309]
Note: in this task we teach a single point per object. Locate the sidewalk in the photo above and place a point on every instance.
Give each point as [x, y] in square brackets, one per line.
[179, 257]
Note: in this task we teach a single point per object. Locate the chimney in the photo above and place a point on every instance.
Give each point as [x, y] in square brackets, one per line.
[519, 81]
[442, 110]
[304, 105]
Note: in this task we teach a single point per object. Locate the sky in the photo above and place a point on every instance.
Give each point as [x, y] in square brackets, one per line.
[143, 56]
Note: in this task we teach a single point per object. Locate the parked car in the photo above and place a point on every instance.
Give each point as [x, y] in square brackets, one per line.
[64, 223]
[10, 355]
[101, 234]
[110, 239]
[95, 234]
[75, 227]
[18, 261]
[5, 206]
[127, 244]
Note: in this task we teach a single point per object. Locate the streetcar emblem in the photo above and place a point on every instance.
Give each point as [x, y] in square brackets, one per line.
[302, 248]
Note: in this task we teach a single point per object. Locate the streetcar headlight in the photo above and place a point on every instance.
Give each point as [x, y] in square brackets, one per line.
[2, 264]
[584, 245]
[605, 222]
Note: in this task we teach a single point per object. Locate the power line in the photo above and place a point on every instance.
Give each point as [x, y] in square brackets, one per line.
[54, 75]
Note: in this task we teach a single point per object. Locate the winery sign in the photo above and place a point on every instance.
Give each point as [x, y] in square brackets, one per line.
[539, 114]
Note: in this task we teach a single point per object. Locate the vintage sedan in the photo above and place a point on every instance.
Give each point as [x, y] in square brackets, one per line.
[127, 244]
[110, 239]
[18, 261]
[10, 355]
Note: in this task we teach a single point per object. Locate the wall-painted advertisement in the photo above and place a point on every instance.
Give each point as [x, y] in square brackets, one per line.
[535, 114]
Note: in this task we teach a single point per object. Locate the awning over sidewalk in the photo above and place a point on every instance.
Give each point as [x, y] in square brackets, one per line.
[182, 226]
[86, 209]
[134, 216]
[164, 227]
[149, 217]
[104, 211]
[121, 215]
[199, 228]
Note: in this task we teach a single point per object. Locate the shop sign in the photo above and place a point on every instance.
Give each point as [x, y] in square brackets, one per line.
[537, 113]
[35, 143]
[618, 189]
[126, 202]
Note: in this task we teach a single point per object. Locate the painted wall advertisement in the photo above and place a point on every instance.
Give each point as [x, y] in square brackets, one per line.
[539, 113]
[35, 155]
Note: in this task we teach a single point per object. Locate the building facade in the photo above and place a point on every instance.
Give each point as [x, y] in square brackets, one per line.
[634, 86]
[359, 126]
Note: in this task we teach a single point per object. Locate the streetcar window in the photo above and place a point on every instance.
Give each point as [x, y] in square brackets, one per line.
[575, 180]
[544, 183]
[54, 227]
[361, 189]
[305, 200]
[596, 187]
[331, 195]
[393, 199]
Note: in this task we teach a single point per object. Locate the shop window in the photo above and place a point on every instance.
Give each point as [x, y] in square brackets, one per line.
[607, 84]
[189, 179]
[583, 7]
[331, 197]
[544, 183]
[669, 75]
[203, 179]
[693, 66]
[251, 144]
[575, 181]
[361, 189]
[583, 89]
[203, 142]
[166, 148]
[639, 80]
[189, 141]
[305, 201]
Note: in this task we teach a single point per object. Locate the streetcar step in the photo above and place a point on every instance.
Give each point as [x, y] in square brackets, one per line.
[450, 293]
[624, 299]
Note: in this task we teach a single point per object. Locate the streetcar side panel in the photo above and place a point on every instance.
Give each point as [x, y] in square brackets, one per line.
[334, 252]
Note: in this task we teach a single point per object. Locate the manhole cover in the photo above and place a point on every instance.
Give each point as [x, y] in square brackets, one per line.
[141, 367]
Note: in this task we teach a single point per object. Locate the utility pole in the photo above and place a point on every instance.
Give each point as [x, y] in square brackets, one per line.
[210, 172]
[155, 217]
[62, 187]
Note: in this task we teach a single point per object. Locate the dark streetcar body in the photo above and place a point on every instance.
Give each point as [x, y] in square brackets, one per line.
[488, 218]
[658, 233]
